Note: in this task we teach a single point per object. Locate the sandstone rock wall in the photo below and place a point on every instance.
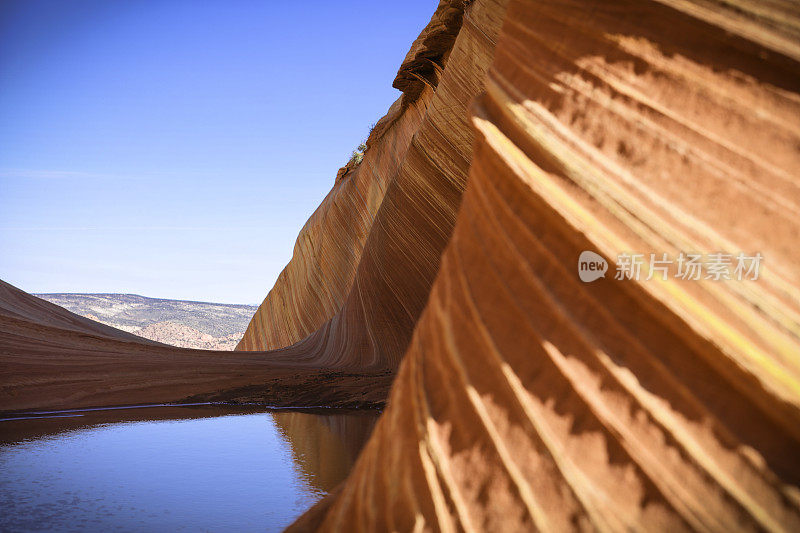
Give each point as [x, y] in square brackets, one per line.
[51, 358]
[529, 400]
[312, 287]
[442, 74]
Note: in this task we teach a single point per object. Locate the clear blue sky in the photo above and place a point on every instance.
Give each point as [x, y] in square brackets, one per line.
[175, 148]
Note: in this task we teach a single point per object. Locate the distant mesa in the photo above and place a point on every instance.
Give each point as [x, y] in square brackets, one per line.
[187, 324]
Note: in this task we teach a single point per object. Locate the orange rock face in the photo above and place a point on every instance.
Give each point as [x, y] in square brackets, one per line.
[312, 287]
[51, 358]
[529, 399]
[442, 73]
[528, 133]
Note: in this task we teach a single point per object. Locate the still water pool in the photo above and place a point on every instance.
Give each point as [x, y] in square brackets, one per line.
[200, 468]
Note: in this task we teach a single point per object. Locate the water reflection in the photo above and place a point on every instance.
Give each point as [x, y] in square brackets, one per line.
[173, 468]
[325, 446]
[43, 423]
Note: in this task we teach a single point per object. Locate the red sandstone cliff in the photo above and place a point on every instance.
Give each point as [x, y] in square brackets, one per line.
[373, 306]
[526, 399]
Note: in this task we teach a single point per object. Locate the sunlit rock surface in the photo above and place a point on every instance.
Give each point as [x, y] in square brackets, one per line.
[312, 287]
[531, 400]
[443, 72]
[525, 398]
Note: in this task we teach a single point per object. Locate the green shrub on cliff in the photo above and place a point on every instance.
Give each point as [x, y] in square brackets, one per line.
[358, 155]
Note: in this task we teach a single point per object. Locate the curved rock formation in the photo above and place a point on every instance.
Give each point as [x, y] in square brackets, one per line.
[361, 272]
[312, 287]
[51, 358]
[442, 73]
[526, 398]
[363, 264]
[529, 400]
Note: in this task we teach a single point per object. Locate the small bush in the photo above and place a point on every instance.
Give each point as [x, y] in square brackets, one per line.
[358, 153]
[356, 157]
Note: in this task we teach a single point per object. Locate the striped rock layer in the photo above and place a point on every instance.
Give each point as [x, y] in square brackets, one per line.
[529, 400]
[341, 315]
[311, 288]
[527, 133]
[51, 358]
[365, 301]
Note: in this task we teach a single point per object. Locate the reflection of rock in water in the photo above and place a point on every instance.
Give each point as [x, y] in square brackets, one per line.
[325, 447]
